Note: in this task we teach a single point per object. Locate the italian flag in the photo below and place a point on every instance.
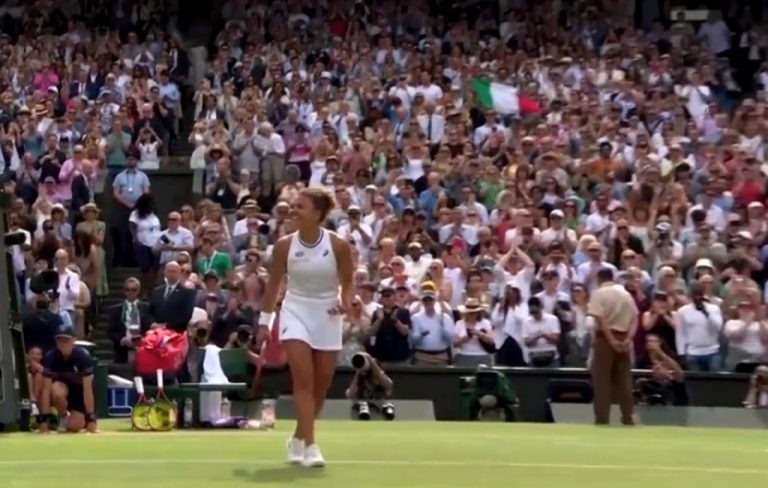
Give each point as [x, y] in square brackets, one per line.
[497, 96]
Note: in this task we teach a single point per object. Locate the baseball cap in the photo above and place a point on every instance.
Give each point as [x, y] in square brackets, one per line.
[65, 330]
[211, 275]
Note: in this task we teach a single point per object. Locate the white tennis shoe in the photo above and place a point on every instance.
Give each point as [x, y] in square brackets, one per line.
[313, 458]
[296, 450]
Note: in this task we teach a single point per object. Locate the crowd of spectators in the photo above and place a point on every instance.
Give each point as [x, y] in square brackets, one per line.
[80, 97]
[635, 142]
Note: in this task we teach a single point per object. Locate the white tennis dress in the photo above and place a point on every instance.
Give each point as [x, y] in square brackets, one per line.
[312, 291]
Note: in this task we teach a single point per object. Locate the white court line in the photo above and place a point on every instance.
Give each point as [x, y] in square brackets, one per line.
[545, 439]
[394, 462]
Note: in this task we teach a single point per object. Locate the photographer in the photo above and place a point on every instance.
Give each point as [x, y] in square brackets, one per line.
[229, 316]
[757, 396]
[667, 383]
[698, 332]
[391, 327]
[41, 324]
[369, 384]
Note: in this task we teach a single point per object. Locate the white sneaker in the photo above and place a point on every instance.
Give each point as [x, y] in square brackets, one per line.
[63, 423]
[295, 450]
[313, 458]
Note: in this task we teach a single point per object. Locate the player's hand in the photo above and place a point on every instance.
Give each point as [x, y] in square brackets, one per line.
[92, 428]
[262, 334]
[43, 428]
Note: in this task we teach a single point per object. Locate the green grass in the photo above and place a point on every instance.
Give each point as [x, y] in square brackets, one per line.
[394, 455]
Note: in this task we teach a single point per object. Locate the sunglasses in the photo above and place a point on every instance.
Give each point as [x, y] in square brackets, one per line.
[131, 290]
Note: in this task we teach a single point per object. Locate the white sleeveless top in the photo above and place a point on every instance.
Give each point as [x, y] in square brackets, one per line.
[317, 170]
[414, 169]
[311, 268]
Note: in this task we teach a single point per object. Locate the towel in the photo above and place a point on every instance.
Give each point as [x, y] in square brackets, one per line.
[210, 401]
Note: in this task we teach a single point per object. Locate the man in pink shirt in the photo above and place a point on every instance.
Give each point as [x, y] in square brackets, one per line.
[69, 170]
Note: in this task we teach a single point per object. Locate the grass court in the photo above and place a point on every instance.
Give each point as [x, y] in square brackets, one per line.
[397, 455]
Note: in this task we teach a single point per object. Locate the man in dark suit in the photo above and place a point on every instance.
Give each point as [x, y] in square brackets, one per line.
[128, 321]
[87, 85]
[171, 304]
[82, 193]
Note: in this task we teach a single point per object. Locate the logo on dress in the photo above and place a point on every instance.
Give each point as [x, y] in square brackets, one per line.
[325, 253]
[299, 254]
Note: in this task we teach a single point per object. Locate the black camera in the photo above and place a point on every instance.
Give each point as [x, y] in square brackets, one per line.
[47, 282]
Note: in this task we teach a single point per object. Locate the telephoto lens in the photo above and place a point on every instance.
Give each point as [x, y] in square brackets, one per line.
[388, 411]
[360, 362]
[363, 411]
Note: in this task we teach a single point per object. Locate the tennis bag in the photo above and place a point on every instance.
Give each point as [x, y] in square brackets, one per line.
[161, 349]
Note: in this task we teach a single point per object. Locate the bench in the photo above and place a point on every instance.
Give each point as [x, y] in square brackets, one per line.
[236, 367]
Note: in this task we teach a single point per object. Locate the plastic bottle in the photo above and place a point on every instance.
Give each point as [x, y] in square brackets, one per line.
[226, 409]
[189, 413]
[268, 413]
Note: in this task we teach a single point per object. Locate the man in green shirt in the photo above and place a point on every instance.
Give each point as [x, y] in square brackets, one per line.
[213, 260]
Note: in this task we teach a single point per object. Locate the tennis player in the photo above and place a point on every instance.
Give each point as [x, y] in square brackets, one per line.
[316, 262]
[68, 385]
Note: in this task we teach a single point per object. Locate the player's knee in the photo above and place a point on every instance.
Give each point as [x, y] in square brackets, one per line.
[58, 392]
[75, 422]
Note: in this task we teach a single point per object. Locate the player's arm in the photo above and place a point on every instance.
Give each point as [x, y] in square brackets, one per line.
[277, 270]
[342, 250]
[85, 365]
[90, 403]
[45, 394]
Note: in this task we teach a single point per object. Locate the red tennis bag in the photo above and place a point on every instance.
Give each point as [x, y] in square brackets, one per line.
[161, 349]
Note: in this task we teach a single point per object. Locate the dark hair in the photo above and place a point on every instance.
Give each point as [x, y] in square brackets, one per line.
[604, 274]
[145, 205]
[321, 200]
[83, 242]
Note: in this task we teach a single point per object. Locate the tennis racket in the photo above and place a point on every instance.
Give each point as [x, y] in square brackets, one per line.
[162, 415]
[140, 412]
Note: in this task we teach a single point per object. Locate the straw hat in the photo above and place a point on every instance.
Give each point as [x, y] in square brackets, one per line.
[60, 207]
[471, 305]
[90, 206]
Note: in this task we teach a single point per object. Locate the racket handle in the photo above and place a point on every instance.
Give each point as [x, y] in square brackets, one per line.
[139, 382]
[160, 378]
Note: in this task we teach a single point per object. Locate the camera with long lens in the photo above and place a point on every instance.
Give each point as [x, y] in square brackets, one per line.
[369, 391]
[46, 285]
[361, 363]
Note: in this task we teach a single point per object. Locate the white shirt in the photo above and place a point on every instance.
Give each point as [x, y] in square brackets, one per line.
[751, 342]
[431, 92]
[509, 324]
[717, 35]
[17, 253]
[549, 301]
[362, 247]
[69, 290]
[473, 347]
[584, 273]
[697, 334]
[417, 269]
[548, 324]
[436, 132]
[147, 229]
[549, 235]
[181, 237]
[440, 328]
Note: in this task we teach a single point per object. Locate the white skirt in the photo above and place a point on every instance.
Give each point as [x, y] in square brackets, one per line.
[307, 320]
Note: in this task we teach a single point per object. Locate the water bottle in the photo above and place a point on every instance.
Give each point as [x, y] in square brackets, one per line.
[268, 413]
[189, 413]
[176, 412]
[226, 409]
[25, 414]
